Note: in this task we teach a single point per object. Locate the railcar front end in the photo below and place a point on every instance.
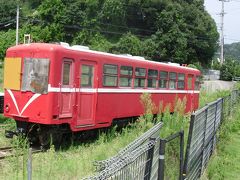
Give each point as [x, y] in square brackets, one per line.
[26, 97]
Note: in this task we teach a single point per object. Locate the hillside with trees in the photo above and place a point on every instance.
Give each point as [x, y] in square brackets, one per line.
[232, 51]
[168, 30]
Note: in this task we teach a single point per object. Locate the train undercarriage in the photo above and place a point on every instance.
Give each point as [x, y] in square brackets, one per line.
[46, 135]
[39, 134]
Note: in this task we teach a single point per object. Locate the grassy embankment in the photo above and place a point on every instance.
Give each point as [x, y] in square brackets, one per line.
[76, 162]
[225, 163]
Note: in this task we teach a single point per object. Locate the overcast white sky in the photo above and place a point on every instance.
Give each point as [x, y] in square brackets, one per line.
[231, 18]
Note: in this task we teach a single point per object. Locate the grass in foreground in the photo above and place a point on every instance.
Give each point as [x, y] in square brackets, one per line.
[77, 161]
[225, 163]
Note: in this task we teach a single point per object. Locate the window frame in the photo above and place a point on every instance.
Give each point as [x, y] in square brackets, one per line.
[197, 82]
[37, 77]
[128, 76]
[110, 75]
[164, 79]
[67, 61]
[90, 76]
[140, 77]
[173, 80]
[152, 78]
[190, 76]
[181, 80]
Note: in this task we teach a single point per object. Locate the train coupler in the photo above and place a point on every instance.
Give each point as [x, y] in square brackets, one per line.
[10, 134]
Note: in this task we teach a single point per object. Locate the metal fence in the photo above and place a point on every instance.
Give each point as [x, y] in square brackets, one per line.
[139, 160]
[203, 134]
[142, 159]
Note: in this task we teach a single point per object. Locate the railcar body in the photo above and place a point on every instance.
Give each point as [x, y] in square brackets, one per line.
[72, 86]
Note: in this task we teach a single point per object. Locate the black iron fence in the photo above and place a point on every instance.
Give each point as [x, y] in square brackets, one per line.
[202, 135]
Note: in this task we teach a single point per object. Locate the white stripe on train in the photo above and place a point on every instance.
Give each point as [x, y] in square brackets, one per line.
[120, 90]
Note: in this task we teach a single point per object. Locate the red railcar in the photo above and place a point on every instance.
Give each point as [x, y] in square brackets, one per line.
[52, 85]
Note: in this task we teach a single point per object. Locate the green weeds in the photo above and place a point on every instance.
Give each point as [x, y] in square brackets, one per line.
[77, 161]
[225, 163]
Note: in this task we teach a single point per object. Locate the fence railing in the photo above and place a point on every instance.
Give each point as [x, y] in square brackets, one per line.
[202, 135]
[146, 161]
[152, 133]
[139, 160]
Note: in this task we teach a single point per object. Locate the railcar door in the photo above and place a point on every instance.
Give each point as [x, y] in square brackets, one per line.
[66, 87]
[190, 101]
[87, 95]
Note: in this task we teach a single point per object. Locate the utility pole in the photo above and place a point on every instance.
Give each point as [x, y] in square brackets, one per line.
[17, 24]
[222, 32]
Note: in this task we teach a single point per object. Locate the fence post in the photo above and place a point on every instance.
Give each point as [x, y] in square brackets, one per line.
[230, 104]
[185, 167]
[181, 154]
[222, 111]
[29, 164]
[161, 159]
[203, 144]
[148, 168]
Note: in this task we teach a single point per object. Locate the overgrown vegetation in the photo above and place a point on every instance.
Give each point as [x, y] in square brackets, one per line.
[178, 31]
[225, 162]
[228, 70]
[77, 160]
[206, 97]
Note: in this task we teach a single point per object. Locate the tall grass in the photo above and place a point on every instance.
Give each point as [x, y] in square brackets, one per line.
[77, 161]
[225, 163]
[206, 97]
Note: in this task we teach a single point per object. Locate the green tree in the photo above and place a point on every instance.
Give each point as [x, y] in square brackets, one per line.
[128, 43]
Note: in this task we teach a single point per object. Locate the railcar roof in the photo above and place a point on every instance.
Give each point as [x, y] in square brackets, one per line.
[52, 47]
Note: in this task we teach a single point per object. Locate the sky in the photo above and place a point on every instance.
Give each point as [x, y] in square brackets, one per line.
[231, 18]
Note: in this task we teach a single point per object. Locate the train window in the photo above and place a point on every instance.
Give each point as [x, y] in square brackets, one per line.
[126, 70]
[163, 81]
[181, 81]
[139, 82]
[197, 83]
[140, 74]
[35, 75]
[152, 78]
[126, 76]
[66, 73]
[87, 76]
[172, 80]
[190, 79]
[110, 75]
[125, 81]
[110, 69]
